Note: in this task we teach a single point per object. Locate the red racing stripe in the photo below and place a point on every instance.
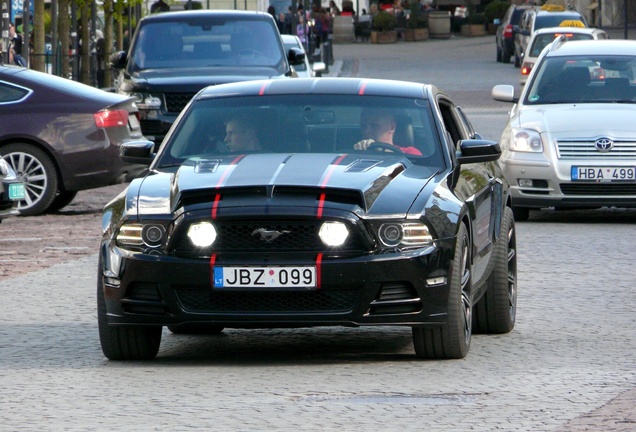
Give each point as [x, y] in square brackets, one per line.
[212, 262]
[224, 176]
[363, 86]
[319, 271]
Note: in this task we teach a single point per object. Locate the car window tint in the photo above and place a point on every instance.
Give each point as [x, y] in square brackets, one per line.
[11, 93]
[300, 123]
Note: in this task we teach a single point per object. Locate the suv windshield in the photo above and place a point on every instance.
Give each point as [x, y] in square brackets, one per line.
[301, 124]
[584, 79]
[206, 42]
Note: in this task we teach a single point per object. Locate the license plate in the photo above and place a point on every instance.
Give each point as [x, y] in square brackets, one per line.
[17, 191]
[265, 277]
[603, 174]
[133, 122]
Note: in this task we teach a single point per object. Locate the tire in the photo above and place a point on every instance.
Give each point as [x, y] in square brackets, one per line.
[499, 55]
[61, 200]
[521, 214]
[124, 343]
[495, 313]
[36, 169]
[197, 329]
[452, 340]
[505, 57]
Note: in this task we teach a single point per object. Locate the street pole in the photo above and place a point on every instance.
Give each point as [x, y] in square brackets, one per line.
[4, 26]
[26, 31]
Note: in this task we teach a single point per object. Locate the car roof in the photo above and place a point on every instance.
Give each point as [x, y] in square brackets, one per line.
[580, 30]
[326, 85]
[594, 47]
[193, 14]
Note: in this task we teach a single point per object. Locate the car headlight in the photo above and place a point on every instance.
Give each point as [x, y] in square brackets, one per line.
[404, 234]
[138, 236]
[202, 234]
[333, 233]
[526, 140]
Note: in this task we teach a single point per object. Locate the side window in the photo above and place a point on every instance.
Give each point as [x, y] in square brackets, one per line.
[10, 93]
[452, 122]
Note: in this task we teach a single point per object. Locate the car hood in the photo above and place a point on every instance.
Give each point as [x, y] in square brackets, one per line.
[580, 120]
[192, 80]
[363, 184]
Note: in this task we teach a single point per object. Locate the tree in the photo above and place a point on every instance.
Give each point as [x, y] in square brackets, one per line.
[38, 35]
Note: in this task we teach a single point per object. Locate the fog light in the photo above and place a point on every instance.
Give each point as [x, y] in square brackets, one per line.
[333, 233]
[527, 183]
[202, 234]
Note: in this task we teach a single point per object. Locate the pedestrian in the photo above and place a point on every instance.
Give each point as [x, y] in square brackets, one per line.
[301, 29]
[15, 47]
[159, 6]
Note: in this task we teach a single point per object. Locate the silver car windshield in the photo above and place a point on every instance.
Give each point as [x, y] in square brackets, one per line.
[206, 42]
[304, 124]
[584, 79]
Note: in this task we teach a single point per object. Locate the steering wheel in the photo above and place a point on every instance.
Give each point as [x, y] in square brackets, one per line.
[383, 147]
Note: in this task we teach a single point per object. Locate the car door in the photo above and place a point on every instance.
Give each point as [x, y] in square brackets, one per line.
[478, 186]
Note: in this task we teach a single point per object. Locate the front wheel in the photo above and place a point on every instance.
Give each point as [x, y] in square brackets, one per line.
[497, 309]
[124, 343]
[451, 341]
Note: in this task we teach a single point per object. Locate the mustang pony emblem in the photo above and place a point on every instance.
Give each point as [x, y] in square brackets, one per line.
[269, 235]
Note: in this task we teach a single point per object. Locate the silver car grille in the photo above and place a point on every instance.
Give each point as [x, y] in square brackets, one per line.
[585, 149]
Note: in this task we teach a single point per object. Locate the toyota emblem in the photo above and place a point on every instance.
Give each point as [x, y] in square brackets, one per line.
[603, 144]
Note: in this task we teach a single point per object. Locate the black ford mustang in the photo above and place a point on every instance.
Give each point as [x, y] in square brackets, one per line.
[315, 219]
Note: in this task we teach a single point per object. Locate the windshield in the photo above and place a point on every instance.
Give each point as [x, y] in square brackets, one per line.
[584, 79]
[554, 19]
[303, 124]
[542, 40]
[206, 42]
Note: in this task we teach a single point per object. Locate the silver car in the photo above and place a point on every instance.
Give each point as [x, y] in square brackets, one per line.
[570, 140]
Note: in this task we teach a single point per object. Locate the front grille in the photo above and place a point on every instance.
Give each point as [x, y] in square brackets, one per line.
[613, 189]
[176, 102]
[211, 301]
[584, 149]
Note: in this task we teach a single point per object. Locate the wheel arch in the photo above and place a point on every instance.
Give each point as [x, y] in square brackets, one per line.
[41, 145]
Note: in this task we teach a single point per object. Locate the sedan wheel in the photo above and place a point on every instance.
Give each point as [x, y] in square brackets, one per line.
[499, 55]
[497, 309]
[451, 341]
[36, 169]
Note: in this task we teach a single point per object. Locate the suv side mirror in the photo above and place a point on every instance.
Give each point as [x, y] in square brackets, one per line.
[296, 56]
[118, 59]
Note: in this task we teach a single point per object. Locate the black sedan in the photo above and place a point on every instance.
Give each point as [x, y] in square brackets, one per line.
[61, 136]
[311, 202]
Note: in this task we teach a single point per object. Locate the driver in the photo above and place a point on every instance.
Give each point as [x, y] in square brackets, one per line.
[379, 126]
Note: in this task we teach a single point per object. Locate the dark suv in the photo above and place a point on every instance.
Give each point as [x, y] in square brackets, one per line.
[173, 55]
[505, 37]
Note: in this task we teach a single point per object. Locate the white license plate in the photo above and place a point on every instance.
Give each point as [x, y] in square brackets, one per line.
[265, 277]
[133, 122]
[17, 191]
[603, 174]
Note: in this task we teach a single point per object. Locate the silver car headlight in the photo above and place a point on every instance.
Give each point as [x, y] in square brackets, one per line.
[141, 236]
[526, 140]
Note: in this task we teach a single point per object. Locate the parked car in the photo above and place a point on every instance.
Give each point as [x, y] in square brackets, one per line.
[549, 15]
[60, 136]
[173, 55]
[304, 69]
[11, 190]
[307, 229]
[543, 37]
[570, 141]
[505, 35]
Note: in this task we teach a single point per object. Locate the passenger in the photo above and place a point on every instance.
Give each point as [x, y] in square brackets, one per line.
[379, 126]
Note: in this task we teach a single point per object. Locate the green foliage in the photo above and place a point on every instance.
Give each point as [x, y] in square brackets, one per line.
[417, 19]
[476, 18]
[496, 10]
[384, 21]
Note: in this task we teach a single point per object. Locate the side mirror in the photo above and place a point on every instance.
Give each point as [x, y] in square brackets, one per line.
[478, 150]
[118, 59]
[137, 152]
[504, 93]
[319, 68]
[296, 56]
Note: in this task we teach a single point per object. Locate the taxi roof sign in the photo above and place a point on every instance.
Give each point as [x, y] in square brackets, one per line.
[572, 23]
[553, 8]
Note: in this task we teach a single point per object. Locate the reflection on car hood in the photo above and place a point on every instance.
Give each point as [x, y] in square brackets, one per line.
[371, 184]
[580, 120]
[199, 77]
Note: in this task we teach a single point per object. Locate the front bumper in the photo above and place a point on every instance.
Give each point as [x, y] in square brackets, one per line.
[390, 289]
